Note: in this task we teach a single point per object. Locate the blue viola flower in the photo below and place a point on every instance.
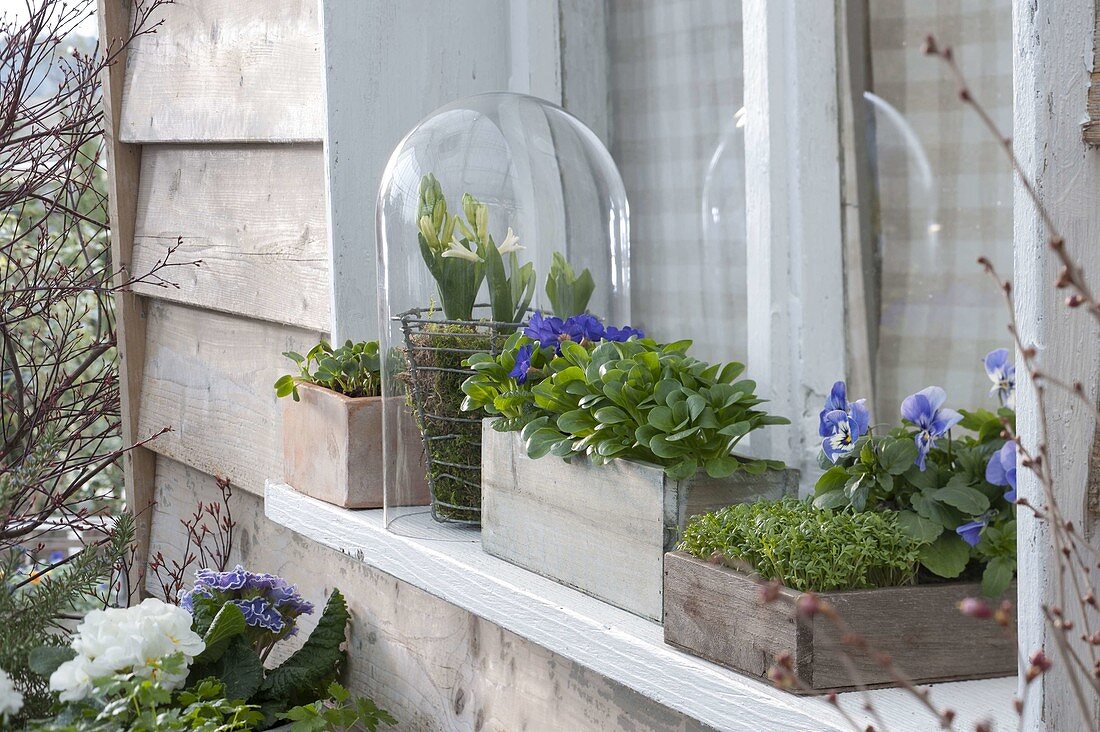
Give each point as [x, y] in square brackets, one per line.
[546, 330]
[523, 363]
[1001, 469]
[971, 532]
[925, 411]
[584, 327]
[619, 335]
[838, 400]
[1003, 375]
[844, 429]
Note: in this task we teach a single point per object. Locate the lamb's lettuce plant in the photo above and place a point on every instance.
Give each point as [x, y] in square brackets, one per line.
[949, 489]
[629, 399]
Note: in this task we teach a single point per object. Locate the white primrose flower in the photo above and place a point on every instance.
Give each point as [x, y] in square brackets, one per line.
[11, 701]
[510, 243]
[455, 249]
[132, 639]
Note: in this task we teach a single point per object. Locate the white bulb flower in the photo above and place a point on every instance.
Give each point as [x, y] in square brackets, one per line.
[123, 640]
[11, 701]
[510, 243]
[456, 249]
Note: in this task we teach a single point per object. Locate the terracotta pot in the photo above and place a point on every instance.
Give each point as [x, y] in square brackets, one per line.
[332, 449]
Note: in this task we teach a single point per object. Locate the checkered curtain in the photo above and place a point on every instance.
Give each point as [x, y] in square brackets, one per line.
[676, 82]
[940, 313]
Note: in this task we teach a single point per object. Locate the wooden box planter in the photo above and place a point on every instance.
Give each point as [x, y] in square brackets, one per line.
[603, 529]
[332, 448]
[717, 613]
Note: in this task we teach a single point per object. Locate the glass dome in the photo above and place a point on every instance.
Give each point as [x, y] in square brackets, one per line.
[491, 208]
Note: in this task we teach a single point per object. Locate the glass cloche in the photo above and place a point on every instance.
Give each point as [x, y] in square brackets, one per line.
[492, 208]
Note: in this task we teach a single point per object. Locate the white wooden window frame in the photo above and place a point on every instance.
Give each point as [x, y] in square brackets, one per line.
[798, 340]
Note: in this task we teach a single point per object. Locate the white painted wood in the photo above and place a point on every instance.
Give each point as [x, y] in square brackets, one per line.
[1053, 46]
[123, 173]
[434, 665]
[603, 529]
[796, 322]
[387, 68]
[227, 71]
[614, 645]
[253, 214]
[209, 377]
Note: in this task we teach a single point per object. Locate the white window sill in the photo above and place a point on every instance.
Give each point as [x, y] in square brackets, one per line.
[624, 648]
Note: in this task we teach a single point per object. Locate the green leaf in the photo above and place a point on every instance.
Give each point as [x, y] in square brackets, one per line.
[240, 669]
[920, 528]
[947, 556]
[998, 576]
[304, 676]
[227, 624]
[967, 499]
[611, 415]
[541, 441]
[575, 422]
[898, 456]
[721, 467]
[831, 500]
[44, 660]
[832, 479]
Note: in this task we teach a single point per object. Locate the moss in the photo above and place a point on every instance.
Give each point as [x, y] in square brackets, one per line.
[453, 436]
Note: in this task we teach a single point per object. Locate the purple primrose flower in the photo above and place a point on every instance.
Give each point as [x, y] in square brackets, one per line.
[925, 411]
[546, 330]
[584, 327]
[1003, 375]
[259, 613]
[618, 335]
[1001, 469]
[523, 363]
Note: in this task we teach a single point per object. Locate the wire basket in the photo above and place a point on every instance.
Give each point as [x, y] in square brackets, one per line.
[434, 350]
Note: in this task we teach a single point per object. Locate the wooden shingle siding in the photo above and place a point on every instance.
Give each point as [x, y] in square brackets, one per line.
[209, 377]
[227, 71]
[254, 215]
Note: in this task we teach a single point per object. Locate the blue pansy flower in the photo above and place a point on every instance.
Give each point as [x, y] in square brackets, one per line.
[837, 400]
[971, 532]
[1003, 375]
[584, 327]
[523, 363]
[845, 428]
[925, 410]
[611, 333]
[546, 330]
[1001, 469]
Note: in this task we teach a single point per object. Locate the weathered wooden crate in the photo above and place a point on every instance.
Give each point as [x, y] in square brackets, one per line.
[603, 529]
[332, 448]
[717, 613]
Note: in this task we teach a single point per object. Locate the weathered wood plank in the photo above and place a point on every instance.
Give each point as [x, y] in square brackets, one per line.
[434, 664]
[602, 529]
[717, 613]
[123, 171]
[254, 215]
[726, 622]
[227, 70]
[209, 377]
